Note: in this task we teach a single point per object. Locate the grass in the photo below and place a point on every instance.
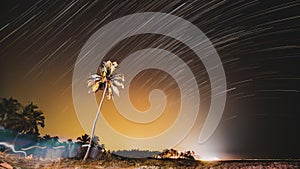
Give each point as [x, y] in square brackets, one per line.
[17, 161]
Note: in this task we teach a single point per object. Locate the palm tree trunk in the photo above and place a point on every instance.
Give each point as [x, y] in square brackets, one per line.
[94, 125]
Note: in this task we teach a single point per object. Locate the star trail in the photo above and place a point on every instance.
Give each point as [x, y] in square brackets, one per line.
[258, 43]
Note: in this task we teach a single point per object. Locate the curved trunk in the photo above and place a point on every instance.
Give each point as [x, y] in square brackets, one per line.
[94, 124]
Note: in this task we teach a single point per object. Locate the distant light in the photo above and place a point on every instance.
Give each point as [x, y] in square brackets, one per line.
[209, 158]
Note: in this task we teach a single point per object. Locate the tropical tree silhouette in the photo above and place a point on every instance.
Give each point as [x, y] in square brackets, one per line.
[33, 118]
[84, 139]
[21, 119]
[28, 121]
[105, 79]
[9, 108]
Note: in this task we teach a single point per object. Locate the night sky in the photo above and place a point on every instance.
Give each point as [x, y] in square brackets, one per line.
[258, 42]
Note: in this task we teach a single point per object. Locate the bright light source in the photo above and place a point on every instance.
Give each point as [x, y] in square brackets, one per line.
[209, 158]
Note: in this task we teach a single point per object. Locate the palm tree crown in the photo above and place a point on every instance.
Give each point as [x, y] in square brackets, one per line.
[106, 76]
[23, 119]
[84, 139]
[9, 108]
[33, 119]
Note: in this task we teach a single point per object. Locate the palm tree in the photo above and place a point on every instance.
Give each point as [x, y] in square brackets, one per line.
[9, 108]
[84, 139]
[23, 119]
[26, 122]
[105, 79]
[33, 118]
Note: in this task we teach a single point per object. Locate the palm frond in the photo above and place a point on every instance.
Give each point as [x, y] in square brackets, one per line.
[106, 76]
[118, 84]
[90, 83]
[94, 76]
[115, 90]
[94, 87]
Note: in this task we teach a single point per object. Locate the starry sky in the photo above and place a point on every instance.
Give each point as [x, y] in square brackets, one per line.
[258, 43]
